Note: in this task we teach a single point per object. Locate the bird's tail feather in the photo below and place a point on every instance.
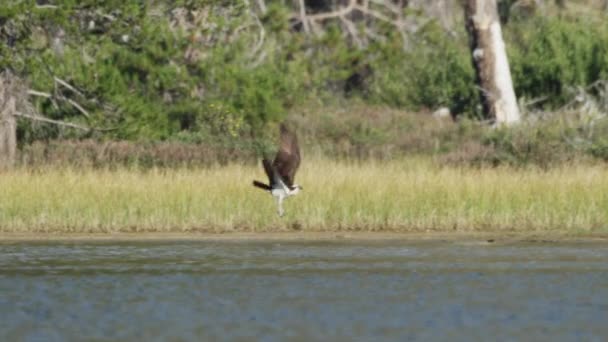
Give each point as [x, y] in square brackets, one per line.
[261, 185]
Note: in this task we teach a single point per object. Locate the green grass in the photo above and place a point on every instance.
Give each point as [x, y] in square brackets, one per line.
[404, 196]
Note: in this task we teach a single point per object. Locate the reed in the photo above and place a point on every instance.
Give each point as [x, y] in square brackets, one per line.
[404, 196]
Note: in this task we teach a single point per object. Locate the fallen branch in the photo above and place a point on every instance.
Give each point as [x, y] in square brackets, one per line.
[79, 107]
[46, 6]
[67, 85]
[39, 93]
[55, 122]
[70, 101]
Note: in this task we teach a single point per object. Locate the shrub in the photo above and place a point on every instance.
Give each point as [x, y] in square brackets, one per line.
[436, 72]
[157, 72]
[549, 55]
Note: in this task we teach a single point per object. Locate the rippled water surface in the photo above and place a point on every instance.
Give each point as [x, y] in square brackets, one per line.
[372, 291]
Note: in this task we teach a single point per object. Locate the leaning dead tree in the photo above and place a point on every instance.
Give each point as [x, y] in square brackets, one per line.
[490, 61]
[14, 104]
[8, 120]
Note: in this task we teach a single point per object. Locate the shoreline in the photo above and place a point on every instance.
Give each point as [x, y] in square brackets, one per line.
[410, 237]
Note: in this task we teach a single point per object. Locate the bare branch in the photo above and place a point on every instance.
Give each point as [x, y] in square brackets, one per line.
[335, 14]
[303, 17]
[352, 30]
[374, 36]
[378, 15]
[109, 17]
[315, 27]
[67, 85]
[70, 101]
[55, 122]
[259, 61]
[262, 6]
[388, 5]
[46, 6]
[262, 38]
[79, 107]
[39, 93]
[352, 5]
[43, 94]
[383, 11]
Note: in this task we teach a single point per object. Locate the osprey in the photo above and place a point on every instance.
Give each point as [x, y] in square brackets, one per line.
[282, 170]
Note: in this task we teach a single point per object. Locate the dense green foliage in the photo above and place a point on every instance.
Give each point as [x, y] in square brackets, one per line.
[549, 56]
[210, 72]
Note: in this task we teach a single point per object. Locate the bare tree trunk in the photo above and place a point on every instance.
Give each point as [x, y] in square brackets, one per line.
[8, 121]
[490, 61]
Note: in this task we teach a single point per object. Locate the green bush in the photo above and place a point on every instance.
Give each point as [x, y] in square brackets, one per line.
[549, 55]
[436, 72]
[137, 77]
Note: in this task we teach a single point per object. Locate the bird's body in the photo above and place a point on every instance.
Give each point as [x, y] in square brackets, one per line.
[281, 172]
[280, 192]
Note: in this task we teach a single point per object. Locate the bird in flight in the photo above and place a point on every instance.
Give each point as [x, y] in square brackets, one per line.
[281, 172]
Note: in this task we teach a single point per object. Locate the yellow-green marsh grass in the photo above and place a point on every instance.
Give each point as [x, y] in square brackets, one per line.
[402, 196]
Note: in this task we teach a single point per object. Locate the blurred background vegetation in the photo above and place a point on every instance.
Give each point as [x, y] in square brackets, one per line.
[194, 82]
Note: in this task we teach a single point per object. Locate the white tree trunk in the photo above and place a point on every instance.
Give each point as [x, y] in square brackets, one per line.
[490, 61]
[8, 122]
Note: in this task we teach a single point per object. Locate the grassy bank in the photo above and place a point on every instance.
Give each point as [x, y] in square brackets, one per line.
[357, 131]
[404, 196]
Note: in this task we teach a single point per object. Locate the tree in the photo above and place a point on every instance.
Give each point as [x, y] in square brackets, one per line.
[490, 61]
[14, 104]
[8, 121]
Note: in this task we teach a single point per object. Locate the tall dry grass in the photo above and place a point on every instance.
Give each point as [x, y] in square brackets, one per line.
[406, 195]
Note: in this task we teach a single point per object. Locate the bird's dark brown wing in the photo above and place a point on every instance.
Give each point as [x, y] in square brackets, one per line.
[268, 169]
[287, 160]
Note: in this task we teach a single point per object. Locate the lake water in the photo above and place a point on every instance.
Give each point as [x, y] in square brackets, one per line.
[291, 291]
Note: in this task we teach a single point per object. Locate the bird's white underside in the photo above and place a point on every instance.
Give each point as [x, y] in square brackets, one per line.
[280, 192]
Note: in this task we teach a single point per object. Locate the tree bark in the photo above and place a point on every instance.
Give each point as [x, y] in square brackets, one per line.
[8, 121]
[490, 61]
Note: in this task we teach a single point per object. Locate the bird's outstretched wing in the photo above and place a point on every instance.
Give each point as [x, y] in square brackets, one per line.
[268, 168]
[287, 160]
